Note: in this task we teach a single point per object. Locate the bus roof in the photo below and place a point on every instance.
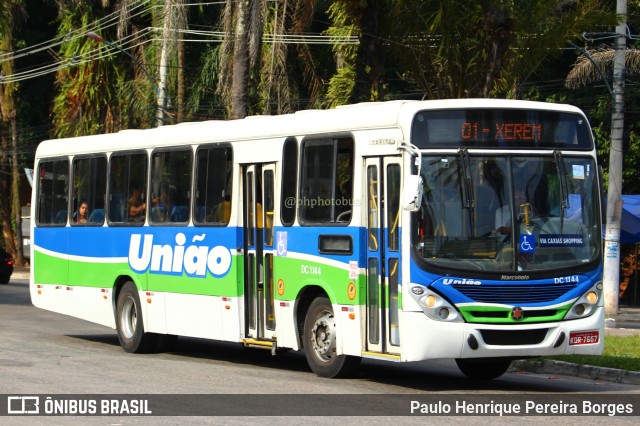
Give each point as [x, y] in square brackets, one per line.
[362, 116]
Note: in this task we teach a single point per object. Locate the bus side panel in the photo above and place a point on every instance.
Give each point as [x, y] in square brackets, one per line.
[299, 264]
[194, 315]
[196, 277]
[50, 266]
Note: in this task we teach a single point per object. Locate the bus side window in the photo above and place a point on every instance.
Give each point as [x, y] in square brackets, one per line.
[89, 189]
[326, 182]
[289, 182]
[170, 186]
[126, 171]
[53, 187]
[214, 179]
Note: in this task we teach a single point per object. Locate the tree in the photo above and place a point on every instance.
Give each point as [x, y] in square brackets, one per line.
[84, 95]
[593, 66]
[510, 40]
[10, 14]
[239, 25]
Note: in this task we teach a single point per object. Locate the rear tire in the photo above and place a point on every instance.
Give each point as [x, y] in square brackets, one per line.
[4, 280]
[320, 342]
[129, 322]
[483, 368]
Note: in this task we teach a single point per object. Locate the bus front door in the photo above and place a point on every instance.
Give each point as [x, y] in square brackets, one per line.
[383, 176]
[258, 208]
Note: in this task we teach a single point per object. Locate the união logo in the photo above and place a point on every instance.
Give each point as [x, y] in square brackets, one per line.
[174, 259]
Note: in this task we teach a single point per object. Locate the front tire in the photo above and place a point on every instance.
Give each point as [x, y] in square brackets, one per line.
[320, 342]
[483, 368]
[129, 322]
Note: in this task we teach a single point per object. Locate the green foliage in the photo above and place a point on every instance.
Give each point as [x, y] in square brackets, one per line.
[619, 352]
[84, 87]
[343, 81]
[510, 39]
[205, 85]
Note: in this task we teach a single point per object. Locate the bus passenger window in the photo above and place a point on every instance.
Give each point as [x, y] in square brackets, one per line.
[89, 190]
[53, 187]
[127, 186]
[170, 186]
[289, 182]
[214, 178]
[326, 181]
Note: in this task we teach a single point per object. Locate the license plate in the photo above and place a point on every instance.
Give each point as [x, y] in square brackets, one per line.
[584, 338]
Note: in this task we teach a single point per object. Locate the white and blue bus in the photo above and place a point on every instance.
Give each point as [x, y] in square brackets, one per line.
[404, 231]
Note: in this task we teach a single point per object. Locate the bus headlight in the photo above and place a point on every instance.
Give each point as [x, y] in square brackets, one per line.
[434, 305]
[587, 303]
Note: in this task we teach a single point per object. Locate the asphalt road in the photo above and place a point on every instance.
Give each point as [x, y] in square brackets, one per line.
[50, 354]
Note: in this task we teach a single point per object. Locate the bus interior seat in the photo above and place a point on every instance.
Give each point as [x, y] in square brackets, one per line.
[61, 217]
[200, 213]
[97, 216]
[179, 214]
[116, 209]
[158, 214]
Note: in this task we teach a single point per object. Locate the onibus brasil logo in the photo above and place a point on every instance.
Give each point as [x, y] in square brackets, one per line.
[174, 259]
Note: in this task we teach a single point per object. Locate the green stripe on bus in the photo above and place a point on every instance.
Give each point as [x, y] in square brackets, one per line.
[502, 315]
[293, 273]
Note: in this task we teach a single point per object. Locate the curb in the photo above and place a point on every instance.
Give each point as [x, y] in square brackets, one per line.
[550, 366]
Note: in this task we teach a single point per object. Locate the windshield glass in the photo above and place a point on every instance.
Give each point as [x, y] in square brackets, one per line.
[508, 213]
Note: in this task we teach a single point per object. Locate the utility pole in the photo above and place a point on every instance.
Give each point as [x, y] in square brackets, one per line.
[163, 63]
[611, 275]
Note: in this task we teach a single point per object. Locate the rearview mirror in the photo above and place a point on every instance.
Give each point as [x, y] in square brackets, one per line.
[412, 194]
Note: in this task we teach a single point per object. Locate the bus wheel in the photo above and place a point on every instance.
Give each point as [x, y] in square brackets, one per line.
[320, 342]
[483, 368]
[131, 333]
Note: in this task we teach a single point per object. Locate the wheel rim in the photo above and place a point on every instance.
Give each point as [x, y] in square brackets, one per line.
[129, 318]
[323, 337]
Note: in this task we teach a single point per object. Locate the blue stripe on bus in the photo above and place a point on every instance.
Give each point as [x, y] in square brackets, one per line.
[525, 293]
[106, 242]
[113, 242]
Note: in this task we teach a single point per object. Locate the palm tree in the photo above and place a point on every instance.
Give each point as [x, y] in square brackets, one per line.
[596, 63]
[234, 54]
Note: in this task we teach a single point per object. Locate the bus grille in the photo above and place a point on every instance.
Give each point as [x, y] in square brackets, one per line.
[513, 338]
[514, 294]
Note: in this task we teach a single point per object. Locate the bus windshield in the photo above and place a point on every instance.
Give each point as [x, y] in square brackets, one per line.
[508, 213]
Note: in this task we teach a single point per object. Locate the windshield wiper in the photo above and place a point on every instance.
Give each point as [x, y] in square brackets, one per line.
[468, 198]
[564, 198]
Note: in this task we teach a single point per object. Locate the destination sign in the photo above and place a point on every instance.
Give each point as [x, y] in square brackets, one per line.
[501, 131]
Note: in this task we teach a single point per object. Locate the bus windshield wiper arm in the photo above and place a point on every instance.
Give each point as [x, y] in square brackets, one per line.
[467, 194]
[564, 198]
[467, 185]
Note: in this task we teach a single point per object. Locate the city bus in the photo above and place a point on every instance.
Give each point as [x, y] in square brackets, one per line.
[401, 231]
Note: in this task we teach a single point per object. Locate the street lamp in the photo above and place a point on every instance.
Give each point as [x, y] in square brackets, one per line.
[159, 115]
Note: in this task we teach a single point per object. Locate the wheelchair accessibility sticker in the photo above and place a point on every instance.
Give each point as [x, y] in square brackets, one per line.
[527, 244]
[281, 238]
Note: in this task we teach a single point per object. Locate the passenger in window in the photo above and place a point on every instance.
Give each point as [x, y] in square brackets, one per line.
[82, 214]
[222, 212]
[137, 206]
[161, 208]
